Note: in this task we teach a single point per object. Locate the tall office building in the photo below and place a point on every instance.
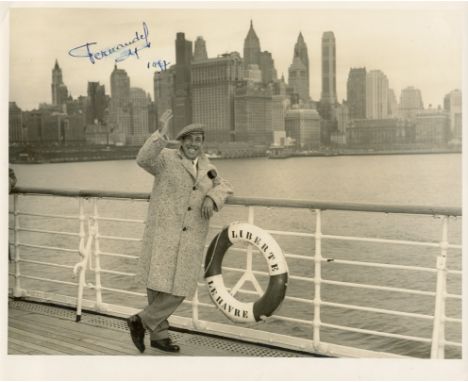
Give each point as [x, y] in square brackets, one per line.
[280, 87]
[432, 128]
[182, 107]
[253, 56]
[120, 86]
[214, 83]
[300, 51]
[59, 90]
[253, 113]
[303, 125]
[33, 124]
[119, 116]
[328, 69]
[383, 133]
[139, 129]
[410, 102]
[252, 73]
[342, 117]
[15, 124]
[356, 93]
[267, 66]
[453, 105]
[251, 47]
[96, 103]
[164, 93]
[280, 104]
[298, 78]
[152, 116]
[199, 52]
[393, 109]
[376, 95]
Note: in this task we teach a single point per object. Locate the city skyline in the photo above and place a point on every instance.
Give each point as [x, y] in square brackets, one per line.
[442, 30]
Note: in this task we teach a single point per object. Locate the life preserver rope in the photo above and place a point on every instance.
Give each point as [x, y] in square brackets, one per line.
[277, 269]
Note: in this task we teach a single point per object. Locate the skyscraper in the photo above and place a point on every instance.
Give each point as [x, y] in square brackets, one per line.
[300, 51]
[252, 73]
[200, 50]
[164, 93]
[255, 58]
[96, 103]
[432, 128]
[356, 93]
[119, 116]
[139, 129]
[376, 95]
[298, 78]
[120, 86]
[453, 105]
[253, 113]
[15, 124]
[251, 47]
[59, 90]
[303, 125]
[410, 102]
[328, 69]
[392, 104]
[182, 106]
[152, 116]
[267, 66]
[214, 84]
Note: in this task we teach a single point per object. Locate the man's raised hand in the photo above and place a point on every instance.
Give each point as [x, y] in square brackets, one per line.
[165, 119]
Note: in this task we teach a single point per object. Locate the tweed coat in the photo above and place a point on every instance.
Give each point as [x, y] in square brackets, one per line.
[175, 232]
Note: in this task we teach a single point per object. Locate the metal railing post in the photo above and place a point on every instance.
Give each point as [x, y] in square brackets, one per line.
[17, 291]
[317, 276]
[438, 332]
[195, 302]
[82, 266]
[97, 262]
[82, 219]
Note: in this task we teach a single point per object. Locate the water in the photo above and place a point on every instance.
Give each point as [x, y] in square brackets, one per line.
[394, 179]
[430, 180]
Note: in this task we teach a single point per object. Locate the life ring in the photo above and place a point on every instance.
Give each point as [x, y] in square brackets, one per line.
[234, 309]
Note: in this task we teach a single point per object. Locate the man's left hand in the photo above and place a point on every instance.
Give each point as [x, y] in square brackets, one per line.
[207, 208]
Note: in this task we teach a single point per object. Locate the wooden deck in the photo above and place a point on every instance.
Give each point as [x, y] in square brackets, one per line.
[39, 329]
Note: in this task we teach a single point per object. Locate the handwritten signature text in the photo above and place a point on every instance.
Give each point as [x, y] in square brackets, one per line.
[120, 52]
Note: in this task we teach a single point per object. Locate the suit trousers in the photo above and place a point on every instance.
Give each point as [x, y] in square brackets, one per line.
[160, 306]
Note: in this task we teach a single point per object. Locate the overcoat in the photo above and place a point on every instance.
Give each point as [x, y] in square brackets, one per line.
[175, 232]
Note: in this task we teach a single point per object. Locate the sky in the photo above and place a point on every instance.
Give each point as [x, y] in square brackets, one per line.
[418, 45]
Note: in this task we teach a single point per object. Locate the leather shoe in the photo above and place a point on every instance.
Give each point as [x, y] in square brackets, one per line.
[137, 331]
[165, 344]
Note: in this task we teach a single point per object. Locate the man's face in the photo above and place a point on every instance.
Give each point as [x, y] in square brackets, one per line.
[192, 145]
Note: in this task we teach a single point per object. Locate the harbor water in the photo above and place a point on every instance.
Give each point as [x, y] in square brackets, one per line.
[425, 180]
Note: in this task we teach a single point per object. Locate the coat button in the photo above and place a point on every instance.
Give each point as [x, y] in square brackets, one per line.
[189, 209]
[194, 188]
[184, 229]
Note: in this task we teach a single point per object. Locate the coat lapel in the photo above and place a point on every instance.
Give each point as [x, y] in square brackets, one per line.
[203, 167]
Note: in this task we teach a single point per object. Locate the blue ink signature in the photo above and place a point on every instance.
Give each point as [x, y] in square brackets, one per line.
[162, 65]
[122, 51]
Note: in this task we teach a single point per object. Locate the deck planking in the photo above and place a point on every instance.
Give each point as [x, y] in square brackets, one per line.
[35, 330]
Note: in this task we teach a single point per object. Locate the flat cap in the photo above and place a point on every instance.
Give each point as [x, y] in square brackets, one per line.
[193, 128]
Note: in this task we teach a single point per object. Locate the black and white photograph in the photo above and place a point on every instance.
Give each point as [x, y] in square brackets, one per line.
[233, 190]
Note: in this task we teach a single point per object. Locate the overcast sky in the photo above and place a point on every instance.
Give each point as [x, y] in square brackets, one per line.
[418, 45]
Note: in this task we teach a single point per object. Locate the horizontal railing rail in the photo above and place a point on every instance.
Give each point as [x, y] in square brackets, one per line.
[91, 254]
[258, 202]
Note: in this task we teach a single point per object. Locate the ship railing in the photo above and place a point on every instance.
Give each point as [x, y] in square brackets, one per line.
[89, 250]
